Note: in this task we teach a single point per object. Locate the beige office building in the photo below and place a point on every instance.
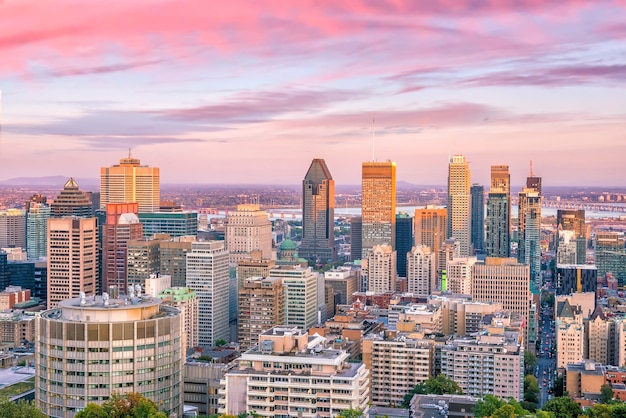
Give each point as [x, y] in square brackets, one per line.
[380, 270]
[430, 225]
[301, 295]
[129, 181]
[570, 334]
[396, 365]
[185, 300]
[461, 316]
[459, 275]
[344, 281]
[421, 271]
[13, 228]
[291, 374]
[459, 203]
[255, 266]
[378, 205]
[72, 258]
[261, 307]
[88, 349]
[248, 229]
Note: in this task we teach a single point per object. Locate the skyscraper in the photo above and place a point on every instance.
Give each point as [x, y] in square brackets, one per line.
[207, 275]
[129, 181]
[142, 260]
[318, 214]
[261, 307]
[13, 228]
[529, 245]
[71, 202]
[574, 221]
[404, 241]
[477, 193]
[498, 221]
[248, 229]
[459, 223]
[356, 238]
[301, 295]
[381, 269]
[610, 255]
[37, 214]
[122, 225]
[72, 258]
[378, 205]
[421, 271]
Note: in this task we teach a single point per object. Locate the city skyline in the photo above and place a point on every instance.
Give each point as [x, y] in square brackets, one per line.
[199, 91]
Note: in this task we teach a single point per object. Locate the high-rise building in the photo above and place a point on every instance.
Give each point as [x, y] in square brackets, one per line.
[459, 222]
[498, 220]
[13, 228]
[529, 245]
[88, 348]
[576, 278]
[261, 303]
[477, 193]
[71, 202]
[4, 270]
[185, 300]
[121, 226]
[404, 241]
[450, 250]
[72, 258]
[459, 275]
[344, 281]
[175, 224]
[356, 238]
[381, 269]
[570, 334]
[37, 214]
[142, 259]
[129, 181]
[248, 229]
[574, 221]
[421, 271]
[378, 205]
[172, 258]
[610, 255]
[301, 295]
[207, 275]
[318, 214]
[255, 266]
[306, 380]
[430, 227]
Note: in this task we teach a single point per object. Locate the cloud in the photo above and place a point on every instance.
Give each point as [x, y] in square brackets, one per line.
[122, 142]
[103, 69]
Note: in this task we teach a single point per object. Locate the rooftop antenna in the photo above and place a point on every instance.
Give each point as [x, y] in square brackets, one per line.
[129, 152]
[373, 140]
[531, 168]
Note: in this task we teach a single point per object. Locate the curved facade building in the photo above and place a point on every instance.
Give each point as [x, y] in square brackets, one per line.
[89, 348]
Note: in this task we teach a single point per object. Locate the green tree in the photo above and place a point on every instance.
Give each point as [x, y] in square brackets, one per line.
[221, 342]
[440, 385]
[531, 389]
[350, 413]
[563, 407]
[123, 406]
[557, 389]
[491, 404]
[612, 410]
[20, 409]
[530, 362]
[606, 393]
[505, 411]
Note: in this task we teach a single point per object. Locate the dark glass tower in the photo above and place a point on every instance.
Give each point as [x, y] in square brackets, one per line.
[498, 220]
[318, 214]
[573, 220]
[478, 217]
[404, 241]
[356, 238]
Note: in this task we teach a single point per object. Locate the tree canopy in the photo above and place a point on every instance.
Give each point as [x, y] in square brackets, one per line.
[563, 407]
[492, 406]
[350, 413]
[128, 405]
[530, 362]
[20, 409]
[440, 385]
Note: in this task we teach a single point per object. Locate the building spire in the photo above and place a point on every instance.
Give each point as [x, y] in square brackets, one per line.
[129, 155]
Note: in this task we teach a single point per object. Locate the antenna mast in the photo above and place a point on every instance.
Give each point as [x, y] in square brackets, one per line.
[531, 168]
[129, 152]
[373, 139]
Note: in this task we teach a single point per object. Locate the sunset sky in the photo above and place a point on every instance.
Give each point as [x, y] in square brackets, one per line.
[250, 91]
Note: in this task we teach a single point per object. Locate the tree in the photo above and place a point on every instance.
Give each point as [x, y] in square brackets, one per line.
[121, 406]
[440, 385]
[606, 392]
[20, 409]
[505, 411]
[221, 342]
[531, 389]
[530, 362]
[563, 407]
[350, 413]
[557, 389]
[492, 406]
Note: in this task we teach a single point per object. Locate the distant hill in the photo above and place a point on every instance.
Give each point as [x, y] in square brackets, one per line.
[47, 181]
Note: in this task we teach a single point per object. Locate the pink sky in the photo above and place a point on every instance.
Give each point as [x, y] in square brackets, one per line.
[251, 91]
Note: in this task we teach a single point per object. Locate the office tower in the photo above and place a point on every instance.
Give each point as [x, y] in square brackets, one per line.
[88, 349]
[71, 202]
[4, 270]
[570, 334]
[610, 255]
[309, 379]
[129, 181]
[459, 275]
[404, 241]
[356, 238]
[486, 365]
[172, 258]
[255, 266]
[175, 224]
[459, 223]
[261, 302]
[576, 278]
[573, 221]
[121, 226]
[477, 194]
[248, 229]
[344, 281]
[13, 228]
[421, 271]
[378, 205]
[207, 275]
[37, 213]
[318, 214]
[498, 220]
[301, 295]
[413, 363]
[529, 245]
[381, 269]
[72, 258]
[186, 301]
[142, 259]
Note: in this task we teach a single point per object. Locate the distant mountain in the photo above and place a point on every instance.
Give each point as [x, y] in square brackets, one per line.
[48, 181]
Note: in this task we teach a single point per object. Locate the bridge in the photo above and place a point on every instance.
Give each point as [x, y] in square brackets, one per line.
[587, 206]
